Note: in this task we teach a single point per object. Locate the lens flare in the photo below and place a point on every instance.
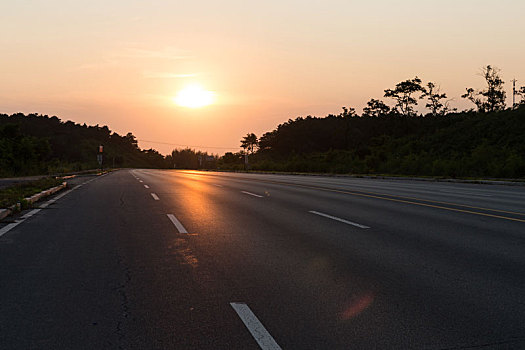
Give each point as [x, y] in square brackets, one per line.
[356, 306]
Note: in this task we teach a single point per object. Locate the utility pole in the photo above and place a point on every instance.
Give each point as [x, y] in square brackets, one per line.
[513, 93]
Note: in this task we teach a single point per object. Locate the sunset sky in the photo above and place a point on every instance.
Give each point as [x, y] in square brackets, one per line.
[122, 63]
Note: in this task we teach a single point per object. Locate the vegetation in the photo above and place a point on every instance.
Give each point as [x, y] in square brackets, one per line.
[493, 97]
[16, 193]
[403, 95]
[190, 159]
[456, 145]
[38, 144]
[488, 142]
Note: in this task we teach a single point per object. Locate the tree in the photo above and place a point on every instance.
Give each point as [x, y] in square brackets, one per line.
[434, 97]
[402, 94]
[249, 143]
[375, 108]
[521, 93]
[491, 99]
[132, 140]
[348, 112]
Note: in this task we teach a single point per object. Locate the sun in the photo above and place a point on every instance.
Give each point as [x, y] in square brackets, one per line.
[194, 96]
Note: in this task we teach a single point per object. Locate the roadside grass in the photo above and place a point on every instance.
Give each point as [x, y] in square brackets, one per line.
[16, 193]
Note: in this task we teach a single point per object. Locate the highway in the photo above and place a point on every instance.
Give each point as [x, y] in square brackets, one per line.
[165, 259]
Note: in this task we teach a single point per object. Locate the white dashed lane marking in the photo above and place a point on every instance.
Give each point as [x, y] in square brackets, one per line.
[261, 335]
[338, 219]
[177, 223]
[252, 194]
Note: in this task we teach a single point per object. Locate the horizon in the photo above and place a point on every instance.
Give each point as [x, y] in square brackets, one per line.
[122, 65]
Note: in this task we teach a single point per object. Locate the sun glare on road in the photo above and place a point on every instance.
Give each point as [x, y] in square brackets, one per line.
[194, 96]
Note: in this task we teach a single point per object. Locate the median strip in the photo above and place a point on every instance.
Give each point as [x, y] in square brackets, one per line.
[257, 330]
[251, 194]
[155, 197]
[338, 219]
[177, 223]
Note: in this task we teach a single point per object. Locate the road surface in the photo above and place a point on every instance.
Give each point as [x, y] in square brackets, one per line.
[153, 259]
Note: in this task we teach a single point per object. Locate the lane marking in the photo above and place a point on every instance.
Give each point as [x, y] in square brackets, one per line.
[380, 196]
[8, 227]
[177, 223]
[338, 219]
[26, 216]
[257, 330]
[155, 197]
[12, 225]
[252, 194]
[141, 181]
[146, 186]
[51, 201]
[466, 193]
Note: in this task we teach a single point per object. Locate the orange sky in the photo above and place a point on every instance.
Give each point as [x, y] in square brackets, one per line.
[120, 63]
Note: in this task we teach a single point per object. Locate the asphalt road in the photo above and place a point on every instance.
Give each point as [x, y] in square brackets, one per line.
[151, 259]
[10, 181]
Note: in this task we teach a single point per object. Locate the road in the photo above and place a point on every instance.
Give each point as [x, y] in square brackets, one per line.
[10, 181]
[161, 259]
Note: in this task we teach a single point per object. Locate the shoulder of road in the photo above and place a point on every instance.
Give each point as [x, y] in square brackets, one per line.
[14, 208]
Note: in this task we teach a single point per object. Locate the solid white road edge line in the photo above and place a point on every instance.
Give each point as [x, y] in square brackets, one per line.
[338, 219]
[8, 228]
[261, 335]
[155, 197]
[177, 223]
[12, 225]
[146, 186]
[251, 194]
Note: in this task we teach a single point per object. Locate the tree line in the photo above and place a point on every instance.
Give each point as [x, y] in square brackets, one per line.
[36, 144]
[39, 144]
[486, 140]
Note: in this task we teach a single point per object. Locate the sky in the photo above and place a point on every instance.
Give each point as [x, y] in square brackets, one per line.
[121, 63]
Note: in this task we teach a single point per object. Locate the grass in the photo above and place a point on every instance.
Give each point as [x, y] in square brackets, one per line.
[16, 193]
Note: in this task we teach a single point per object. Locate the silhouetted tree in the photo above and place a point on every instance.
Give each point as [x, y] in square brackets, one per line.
[348, 112]
[434, 98]
[375, 108]
[249, 142]
[521, 93]
[132, 140]
[403, 95]
[491, 99]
